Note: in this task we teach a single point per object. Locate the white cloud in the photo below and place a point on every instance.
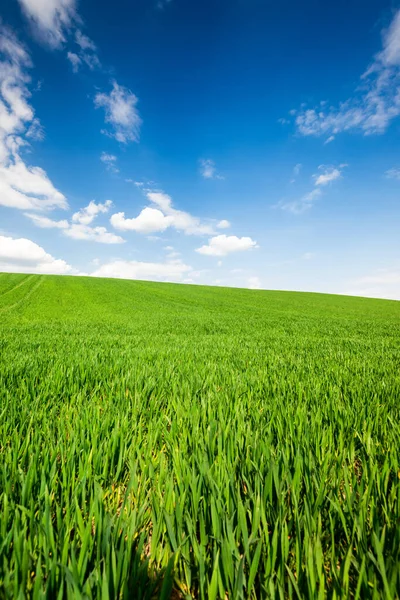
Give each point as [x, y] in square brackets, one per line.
[308, 256]
[221, 245]
[51, 19]
[224, 224]
[180, 220]
[21, 255]
[79, 231]
[393, 173]
[110, 161]
[149, 220]
[46, 223]
[86, 54]
[375, 103]
[329, 174]
[80, 228]
[28, 187]
[86, 215]
[21, 186]
[254, 283]
[123, 269]
[152, 219]
[208, 169]
[121, 113]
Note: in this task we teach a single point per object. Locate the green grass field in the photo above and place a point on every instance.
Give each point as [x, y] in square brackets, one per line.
[172, 441]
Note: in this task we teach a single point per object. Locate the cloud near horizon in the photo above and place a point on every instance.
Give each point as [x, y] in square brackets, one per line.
[20, 255]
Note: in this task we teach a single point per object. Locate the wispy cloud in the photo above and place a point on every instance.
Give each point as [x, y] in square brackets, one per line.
[296, 172]
[161, 4]
[80, 226]
[300, 205]
[110, 161]
[327, 175]
[46, 222]
[78, 231]
[375, 103]
[393, 174]
[208, 169]
[85, 54]
[120, 112]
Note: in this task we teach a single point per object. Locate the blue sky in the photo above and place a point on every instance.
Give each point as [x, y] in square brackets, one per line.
[222, 143]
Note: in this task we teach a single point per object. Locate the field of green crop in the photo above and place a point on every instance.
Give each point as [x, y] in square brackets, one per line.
[171, 441]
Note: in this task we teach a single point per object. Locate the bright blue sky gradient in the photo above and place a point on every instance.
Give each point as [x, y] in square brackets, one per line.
[223, 89]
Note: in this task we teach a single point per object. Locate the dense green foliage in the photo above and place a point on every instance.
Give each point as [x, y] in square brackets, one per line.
[161, 440]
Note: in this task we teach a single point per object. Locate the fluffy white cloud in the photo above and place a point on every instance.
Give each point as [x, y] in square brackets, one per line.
[78, 231]
[180, 220]
[393, 173]
[329, 174]
[224, 224]
[51, 19]
[46, 223]
[208, 169]
[124, 269]
[149, 220]
[21, 186]
[372, 108]
[110, 160]
[152, 219]
[86, 215]
[21, 255]
[221, 245]
[121, 113]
